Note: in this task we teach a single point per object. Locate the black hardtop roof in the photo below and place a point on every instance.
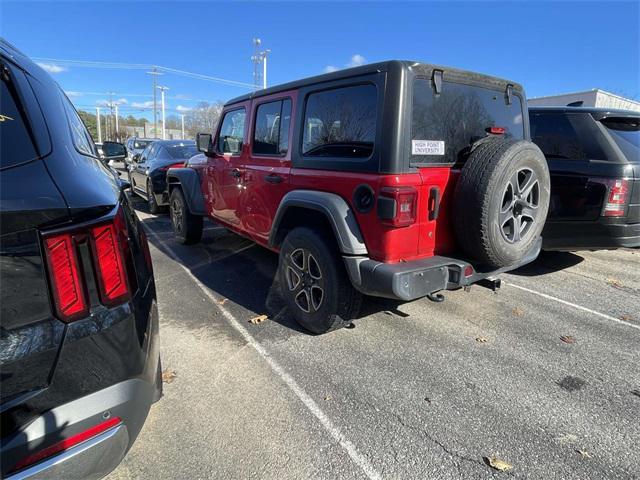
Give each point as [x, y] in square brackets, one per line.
[386, 66]
[597, 112]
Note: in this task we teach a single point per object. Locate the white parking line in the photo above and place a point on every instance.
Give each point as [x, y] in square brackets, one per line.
[574, 305]
[360, 460]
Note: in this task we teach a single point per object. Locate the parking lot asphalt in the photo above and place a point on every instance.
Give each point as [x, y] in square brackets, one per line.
[543, 375]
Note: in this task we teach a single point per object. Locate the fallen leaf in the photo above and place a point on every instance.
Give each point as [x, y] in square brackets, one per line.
[518, 312]
[498, 464]
[427, 399]
[584, 454]
[568, 339]
[636, 393]
[614, 282]
[168, 375]
[327, 398]
[258, 319]
[482, 339]
[626, 318]
[222, 301]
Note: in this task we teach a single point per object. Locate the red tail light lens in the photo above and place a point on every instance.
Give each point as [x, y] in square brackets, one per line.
[66, 279]
[404, 209]
[67, 443]
[109, 241]
[617, 197]
[175, 165]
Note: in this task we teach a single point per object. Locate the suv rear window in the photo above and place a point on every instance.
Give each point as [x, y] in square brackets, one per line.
[16, 144]
[449, 122]
[626, 133]
[181, 151]
[565, 136]
[340, 122]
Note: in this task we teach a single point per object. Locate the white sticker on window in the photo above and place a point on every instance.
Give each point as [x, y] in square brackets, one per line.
[427, 147]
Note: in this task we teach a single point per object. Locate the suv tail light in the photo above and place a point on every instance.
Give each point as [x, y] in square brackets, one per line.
[109, 245]
[397, 206]
[617, 197]
[66, 280]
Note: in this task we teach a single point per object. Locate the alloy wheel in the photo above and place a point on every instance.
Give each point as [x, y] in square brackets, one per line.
[176, 215]
[305, 280]
[519, 208]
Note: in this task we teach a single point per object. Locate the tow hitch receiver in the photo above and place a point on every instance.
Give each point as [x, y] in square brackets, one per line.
[492, 283]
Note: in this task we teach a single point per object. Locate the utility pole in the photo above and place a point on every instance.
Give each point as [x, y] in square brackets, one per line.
[257, 58]
[182, 117]
[117, 129]
[162, 90]
[154, 74]
[98, 124]
[264, 67]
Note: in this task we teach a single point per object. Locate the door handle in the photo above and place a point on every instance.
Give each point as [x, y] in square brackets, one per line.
[235, 173]
[434, 203]
[273, 178]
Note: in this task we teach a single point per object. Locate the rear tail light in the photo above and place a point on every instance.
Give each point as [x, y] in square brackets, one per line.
[66, 444]
[109, 245]
[397, 206]
[617, 197]
[496, 130]
[175, 165]
[66, 280]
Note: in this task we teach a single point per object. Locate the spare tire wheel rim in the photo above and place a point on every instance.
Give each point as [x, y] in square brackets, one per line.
[176, 210]
[519, 207]
[305, 280]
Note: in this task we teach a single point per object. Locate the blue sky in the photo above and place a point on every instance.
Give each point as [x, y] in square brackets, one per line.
[549, 47]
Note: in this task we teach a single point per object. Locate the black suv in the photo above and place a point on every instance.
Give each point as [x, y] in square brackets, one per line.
[79, 358]
[594, 160]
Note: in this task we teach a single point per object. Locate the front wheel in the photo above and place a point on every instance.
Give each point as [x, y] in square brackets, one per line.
[187, 227]
[151, 200]
[314, 282]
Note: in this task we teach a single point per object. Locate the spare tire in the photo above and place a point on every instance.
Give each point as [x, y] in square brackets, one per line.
[501, 200]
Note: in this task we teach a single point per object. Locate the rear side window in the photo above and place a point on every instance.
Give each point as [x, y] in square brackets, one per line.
[626, 133]
[444, 125]
[340, 122]
[16, 143]
[181, 151]
[232, 132]
[79, 133]
[564, 136]
[271, 133]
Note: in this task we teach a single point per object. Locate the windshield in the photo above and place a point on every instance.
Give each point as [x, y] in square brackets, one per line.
[182, 151]
[626, 134]
[443, 126]
[141, 144]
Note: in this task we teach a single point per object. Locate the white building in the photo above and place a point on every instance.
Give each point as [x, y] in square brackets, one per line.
[590, 98]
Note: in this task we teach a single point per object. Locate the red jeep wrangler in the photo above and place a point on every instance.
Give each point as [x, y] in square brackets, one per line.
[397, 179]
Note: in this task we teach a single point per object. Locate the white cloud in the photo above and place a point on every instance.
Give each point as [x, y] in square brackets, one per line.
[356, 61]
[72, 94]
[182, 108]
[52, 67]
[106, 103]
[147, 104]
[182, 96]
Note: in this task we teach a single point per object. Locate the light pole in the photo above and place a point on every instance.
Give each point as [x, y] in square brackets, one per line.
[98, 124]
[117, 129]
[162, 90]
[264, 67]
[182, 118]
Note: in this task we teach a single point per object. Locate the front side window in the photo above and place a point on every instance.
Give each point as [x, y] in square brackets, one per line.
[79, 133]
[271, 133]
[340, 122]
[232, 132]
[16, 144]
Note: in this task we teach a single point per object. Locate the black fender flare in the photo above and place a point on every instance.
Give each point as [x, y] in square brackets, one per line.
[189, 181]
[338, 213]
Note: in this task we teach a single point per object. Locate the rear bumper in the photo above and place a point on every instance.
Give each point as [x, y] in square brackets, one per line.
[568, 236]
[410, 280]
[129, 400]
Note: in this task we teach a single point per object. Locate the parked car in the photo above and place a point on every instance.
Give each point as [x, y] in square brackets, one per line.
[79, 356]
[135, 146]
[594, 159]
[397, 179]
[148, 172]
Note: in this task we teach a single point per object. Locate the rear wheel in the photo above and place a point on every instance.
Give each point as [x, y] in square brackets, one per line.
[314, 282]
[501, 201]
[187, 227]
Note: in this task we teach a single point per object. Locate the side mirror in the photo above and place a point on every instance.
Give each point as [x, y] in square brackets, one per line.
[113, 151]
[136, 157]
[203, 141]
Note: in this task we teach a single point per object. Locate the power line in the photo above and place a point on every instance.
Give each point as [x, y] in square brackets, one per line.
[143, 66]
